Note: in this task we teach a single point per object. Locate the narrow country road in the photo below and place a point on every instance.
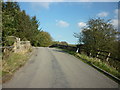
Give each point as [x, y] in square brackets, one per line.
[53, 68]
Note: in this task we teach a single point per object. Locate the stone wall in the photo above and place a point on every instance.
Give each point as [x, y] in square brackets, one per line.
[21, 46]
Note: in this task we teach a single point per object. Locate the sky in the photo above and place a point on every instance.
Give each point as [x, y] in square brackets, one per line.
[63, 19]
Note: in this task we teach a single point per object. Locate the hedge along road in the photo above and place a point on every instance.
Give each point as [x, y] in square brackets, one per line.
[53, 68]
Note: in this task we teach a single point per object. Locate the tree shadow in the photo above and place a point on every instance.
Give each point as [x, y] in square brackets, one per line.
[57, 50]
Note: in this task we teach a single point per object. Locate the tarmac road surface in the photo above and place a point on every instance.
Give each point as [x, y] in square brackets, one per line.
[53, 68]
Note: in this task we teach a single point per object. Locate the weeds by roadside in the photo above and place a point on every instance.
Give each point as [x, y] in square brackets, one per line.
[96, 62]
[100, 64]
[13, 63]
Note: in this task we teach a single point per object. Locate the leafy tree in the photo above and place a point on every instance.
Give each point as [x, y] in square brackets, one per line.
[44, 39]
[63, 43]
[98, 35]
[10, 40]
[55, 42]
[0, 23]
[18, 23]
[23, 25]
[9, 11]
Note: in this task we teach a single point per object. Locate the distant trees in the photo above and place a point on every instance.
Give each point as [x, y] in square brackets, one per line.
[60, 43]
[17, 23]
[63, 43]
[43, 39]
[99, 35]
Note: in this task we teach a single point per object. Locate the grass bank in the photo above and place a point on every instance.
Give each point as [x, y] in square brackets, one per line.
[96, 62]
[13, 63]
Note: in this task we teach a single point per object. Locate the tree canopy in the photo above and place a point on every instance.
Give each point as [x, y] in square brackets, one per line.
[15, 22]
[99, 34]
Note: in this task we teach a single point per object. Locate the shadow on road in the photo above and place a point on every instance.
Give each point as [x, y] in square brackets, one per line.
[56, 50]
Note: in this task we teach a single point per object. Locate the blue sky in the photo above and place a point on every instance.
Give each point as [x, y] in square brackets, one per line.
[62, 19]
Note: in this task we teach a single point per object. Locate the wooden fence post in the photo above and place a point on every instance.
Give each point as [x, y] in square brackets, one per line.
[108, 56]
[98, 53]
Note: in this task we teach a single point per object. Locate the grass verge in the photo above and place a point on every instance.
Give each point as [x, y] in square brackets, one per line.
[13, 63]
[96, 62]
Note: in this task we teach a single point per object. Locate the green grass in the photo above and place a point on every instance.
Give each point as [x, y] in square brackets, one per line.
[13, 63]
[96, 62]
[101, 65]
[0, 74]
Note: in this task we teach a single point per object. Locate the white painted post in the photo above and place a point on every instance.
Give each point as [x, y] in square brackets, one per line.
[90, 54]
[77, 50]
[108, 57]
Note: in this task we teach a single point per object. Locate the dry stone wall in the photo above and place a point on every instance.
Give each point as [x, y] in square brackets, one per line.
[21, 46]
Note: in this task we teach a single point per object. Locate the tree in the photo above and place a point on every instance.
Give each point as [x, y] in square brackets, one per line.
[9, 11]
[17, 23]
[44, 39]
[63, 43]
[98, 35]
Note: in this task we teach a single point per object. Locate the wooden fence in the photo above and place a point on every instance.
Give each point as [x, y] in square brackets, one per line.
[104, 56]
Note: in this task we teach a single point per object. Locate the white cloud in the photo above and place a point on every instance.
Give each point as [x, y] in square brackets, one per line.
[62, 23]
[81, 24]
[116, 11]
[115, 22]
[45, 5]
[102, 14]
